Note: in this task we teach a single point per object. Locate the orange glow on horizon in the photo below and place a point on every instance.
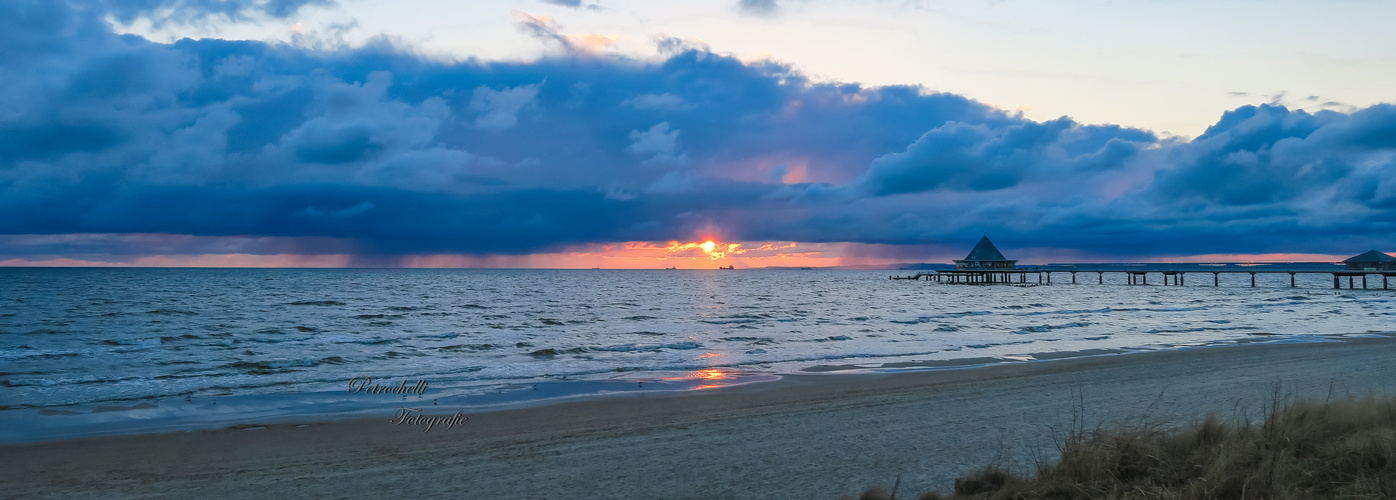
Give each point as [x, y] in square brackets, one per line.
[705, 253]
[708, 250]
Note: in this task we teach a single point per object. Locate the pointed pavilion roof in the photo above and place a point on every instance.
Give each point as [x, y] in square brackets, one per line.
[985, 250]
[1366, 257]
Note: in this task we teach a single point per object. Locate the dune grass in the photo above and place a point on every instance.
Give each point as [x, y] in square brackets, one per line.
[1302, 450]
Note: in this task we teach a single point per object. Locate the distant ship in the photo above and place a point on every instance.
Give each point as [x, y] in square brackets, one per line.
[728, 267]
[671, 268]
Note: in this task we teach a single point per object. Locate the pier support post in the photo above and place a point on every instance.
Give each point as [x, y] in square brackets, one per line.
[1335, 281]
[1146, 278]
[1291, 280]
[1216, 280]
[1039, 278]
[1364, 282]
[1049, 277]
[1073, 277]
[1349, 282]
[1180, 279]
[1383, 282]
[1101, 276]
[1252, 280]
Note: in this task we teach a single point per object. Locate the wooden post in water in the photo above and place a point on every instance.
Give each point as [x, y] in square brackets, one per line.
[1146, 278]
[1252, 280]
[1364, 282]
[1073, 277]
[1291, 280]
[1101, 276]
[1180, 279]
[1216, 281]
[1335, 281]
[1349, 282]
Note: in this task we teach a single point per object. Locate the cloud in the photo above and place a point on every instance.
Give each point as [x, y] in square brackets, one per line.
[669, 46]
[574, 4]
[959, 156]
[593, 41]
[542, 28]
[657, 102]
[658, 143]
[763, 8]
[188, 10]
[499, 109]
[114, 144]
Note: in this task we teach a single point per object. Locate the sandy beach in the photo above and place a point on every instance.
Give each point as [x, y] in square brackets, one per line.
[808, 436]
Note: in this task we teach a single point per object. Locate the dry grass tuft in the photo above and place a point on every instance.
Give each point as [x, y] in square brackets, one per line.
[1310, 449]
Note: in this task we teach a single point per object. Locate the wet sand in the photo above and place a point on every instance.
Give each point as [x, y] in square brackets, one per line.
[808, 436]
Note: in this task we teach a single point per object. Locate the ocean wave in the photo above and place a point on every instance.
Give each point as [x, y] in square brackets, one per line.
[171, 312]
[317, 303]
[680, 346]
[268, 367]
[1048, 328]
[469, 347]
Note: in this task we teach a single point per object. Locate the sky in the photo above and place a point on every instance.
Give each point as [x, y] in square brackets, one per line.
[629, 134]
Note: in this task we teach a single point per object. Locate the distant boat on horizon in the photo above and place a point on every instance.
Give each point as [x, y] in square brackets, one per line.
[728, 267]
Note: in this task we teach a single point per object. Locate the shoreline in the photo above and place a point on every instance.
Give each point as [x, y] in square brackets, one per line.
[145, 417]
[804, 436]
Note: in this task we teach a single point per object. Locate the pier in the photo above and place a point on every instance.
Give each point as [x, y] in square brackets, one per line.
[985, 265]
[1174, 277]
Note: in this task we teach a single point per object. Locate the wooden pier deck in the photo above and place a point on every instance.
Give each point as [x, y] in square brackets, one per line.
[1173, 277]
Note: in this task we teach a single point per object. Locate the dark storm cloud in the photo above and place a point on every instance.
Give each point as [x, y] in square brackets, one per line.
[379, 152]
[982, 158]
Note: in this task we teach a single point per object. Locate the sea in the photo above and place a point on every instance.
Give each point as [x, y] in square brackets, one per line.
[99, 351]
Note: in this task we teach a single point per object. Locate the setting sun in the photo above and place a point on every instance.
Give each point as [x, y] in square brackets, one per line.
[708, 246]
